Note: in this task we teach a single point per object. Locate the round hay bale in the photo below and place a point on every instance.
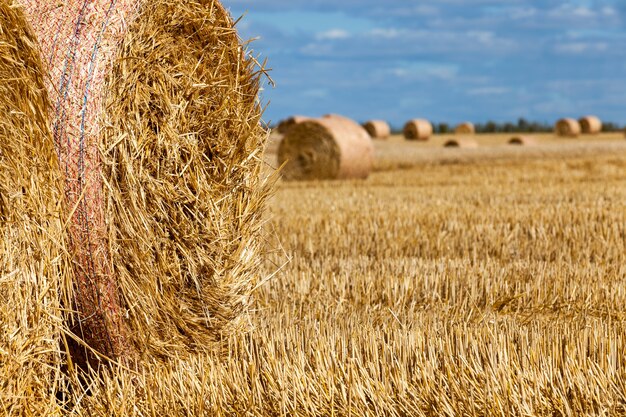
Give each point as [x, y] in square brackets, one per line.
[523, 141]
[567, 128]
[465, 128]
[418, 129]
[590, 125]
[284, 126]
[377, 129]
[33, 265]
[329, 148]
[157, 123]
[461, 143]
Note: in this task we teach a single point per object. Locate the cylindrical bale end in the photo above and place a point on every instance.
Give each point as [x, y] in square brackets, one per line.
[465, 143]
[418, 129]
[377, 129]
[567, 128]
[332, 147]
[590, 125]
[523, 141]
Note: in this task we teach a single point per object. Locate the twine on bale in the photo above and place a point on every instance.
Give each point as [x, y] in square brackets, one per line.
[590, 125]
[567, 128]
[332, 147]
[33, 265]
[377, 129]
[78, 40]
[156, 122]
[465, 128]
[418, 129]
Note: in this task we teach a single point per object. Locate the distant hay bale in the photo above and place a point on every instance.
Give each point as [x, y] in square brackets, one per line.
[418, 129]
[289, 122]
[466, 128]
[590, 125]
[567, 128]
[461, 143]
[377, 129]
[157, 124]
[332, 147]
[523, 141]
[33, 265]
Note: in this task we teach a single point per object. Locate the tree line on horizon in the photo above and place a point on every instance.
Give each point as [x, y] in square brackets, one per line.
[522, 126]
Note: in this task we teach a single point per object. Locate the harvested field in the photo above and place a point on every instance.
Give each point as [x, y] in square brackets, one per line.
[484, 281]
[490, 282]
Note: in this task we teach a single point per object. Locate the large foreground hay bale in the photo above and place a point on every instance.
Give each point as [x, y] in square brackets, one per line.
[157, 124]
[465, 128]
[567, 128]
[377, 129]
[590, 125]
[286, 124]
[32, 260]
[332, 147]
[467, 143]
[417, 129]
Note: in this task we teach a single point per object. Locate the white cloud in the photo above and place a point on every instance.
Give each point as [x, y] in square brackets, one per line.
[333, 34]
[581, 47]
[426, 71]
[386, 33]
[488, 91]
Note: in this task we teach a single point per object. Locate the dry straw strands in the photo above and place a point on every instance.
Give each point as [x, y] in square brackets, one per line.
[377, 129]
[465, 128]
[32, 256]
[523, 141]
[590, 125]
[184, 194]
[461, 143]
[332, 147]
[284, 126]
[567, 128]
[166, 246]
[418, 129]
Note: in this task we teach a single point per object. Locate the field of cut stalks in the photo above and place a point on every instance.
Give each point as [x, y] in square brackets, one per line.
[460, 286]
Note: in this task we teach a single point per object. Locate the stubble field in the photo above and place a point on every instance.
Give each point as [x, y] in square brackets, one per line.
[461, 285]
[481, 282]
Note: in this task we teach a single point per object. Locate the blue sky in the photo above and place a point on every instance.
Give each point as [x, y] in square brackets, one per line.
[445, 60]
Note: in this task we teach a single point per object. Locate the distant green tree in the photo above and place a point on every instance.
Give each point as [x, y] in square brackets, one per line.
[443, 128]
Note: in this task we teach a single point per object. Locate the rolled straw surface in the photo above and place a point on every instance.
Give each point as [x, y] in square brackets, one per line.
[590, 125]
[157, 124]
[461, 143]
[466, 128]
[289, 122]
[418, 129]
[523, 141]
[567, 128]
[332, 147]
[33, 264]
[377, 129]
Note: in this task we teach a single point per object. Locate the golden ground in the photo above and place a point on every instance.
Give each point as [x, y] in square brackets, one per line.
[452, 282]
[487, 281]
